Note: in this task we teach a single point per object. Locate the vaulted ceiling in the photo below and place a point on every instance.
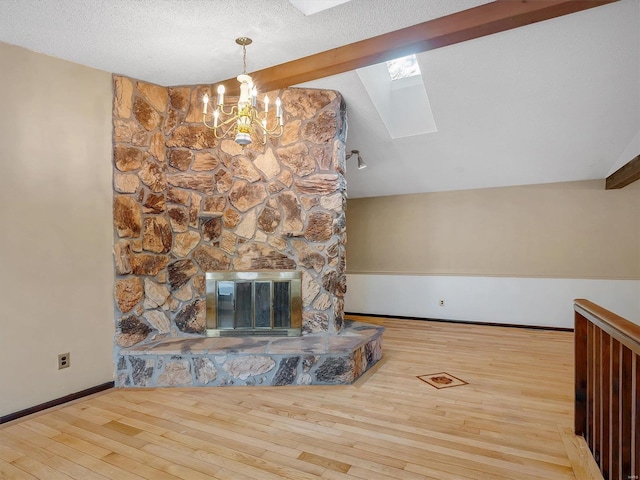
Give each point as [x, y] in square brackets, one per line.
[553, 101]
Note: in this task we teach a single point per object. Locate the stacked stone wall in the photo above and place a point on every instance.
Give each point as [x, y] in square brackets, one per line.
[186, 203]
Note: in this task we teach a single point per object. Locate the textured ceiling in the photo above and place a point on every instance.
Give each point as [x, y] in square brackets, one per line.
[186, 42]
[554, 101]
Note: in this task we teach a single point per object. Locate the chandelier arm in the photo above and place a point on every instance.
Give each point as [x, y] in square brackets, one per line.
[228, 121]
[272, 131]
[204, 122]
[221, 124]
[224, 133]
[258, 120]
[232, 111]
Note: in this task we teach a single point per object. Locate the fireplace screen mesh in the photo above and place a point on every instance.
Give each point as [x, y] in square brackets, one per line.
[254, 303]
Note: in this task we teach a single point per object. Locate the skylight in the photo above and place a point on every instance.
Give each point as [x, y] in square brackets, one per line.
[403, 67]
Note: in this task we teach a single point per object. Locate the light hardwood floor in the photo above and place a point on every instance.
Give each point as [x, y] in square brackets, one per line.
[512, 421]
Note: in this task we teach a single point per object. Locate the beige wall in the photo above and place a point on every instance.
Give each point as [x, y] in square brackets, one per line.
[564, 230]
[56, 272]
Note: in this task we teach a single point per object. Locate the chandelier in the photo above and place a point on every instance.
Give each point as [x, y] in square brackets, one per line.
[242, 119]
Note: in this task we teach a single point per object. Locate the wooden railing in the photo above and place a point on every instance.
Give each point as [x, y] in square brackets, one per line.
[607, 383]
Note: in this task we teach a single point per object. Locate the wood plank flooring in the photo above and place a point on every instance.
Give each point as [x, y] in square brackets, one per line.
[510, 422]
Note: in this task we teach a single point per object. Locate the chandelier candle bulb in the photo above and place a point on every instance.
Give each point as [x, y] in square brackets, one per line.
[215, 118]
[266, 104]
[220, 94]
[205, 101]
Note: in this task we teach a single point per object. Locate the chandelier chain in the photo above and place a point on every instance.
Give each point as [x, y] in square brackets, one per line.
[244, 41]
[244, 59]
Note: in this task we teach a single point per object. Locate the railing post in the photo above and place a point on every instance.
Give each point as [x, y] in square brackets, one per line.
[626, 409]
[614, 433]
[637, 419]
[605, 455]
[580, 415]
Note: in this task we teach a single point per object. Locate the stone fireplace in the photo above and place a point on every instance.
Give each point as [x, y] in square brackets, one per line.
[188, 206]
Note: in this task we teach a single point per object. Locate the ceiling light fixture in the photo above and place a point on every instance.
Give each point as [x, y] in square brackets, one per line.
[242, 118]
[361, 163]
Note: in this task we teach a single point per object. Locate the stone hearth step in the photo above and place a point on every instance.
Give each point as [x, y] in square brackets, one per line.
[315, 359]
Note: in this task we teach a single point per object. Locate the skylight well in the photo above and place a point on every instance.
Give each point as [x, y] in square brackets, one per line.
[309, 7]
[403, 67]
[398, 93]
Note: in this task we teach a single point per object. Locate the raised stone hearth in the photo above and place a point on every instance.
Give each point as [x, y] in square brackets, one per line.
[225, 361]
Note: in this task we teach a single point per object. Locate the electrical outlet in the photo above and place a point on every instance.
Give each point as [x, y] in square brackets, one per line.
[64, 360]
[441, 303]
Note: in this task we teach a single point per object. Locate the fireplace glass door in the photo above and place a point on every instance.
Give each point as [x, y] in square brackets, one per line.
[254, 303]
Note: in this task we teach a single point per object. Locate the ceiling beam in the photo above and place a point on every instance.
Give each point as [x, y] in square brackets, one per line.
[486, 19]
[625, 175]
